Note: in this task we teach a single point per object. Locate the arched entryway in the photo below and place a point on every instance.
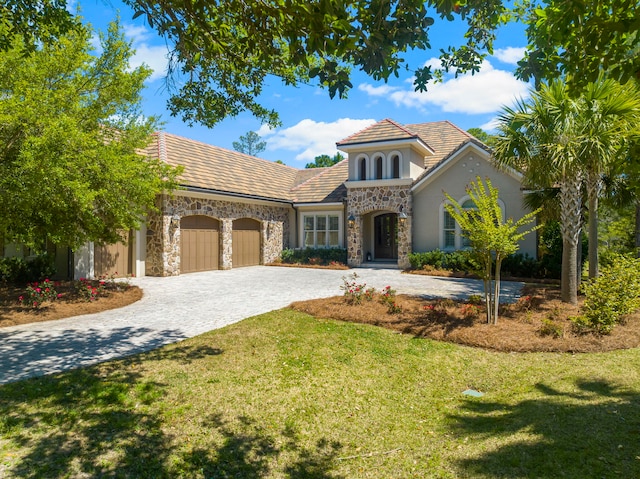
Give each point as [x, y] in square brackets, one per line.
[246, 243]
[385, 236]
[199, 243]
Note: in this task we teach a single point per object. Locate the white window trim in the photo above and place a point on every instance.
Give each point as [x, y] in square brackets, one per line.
[458, 241]
[367, 163]
[326, 214]
[390, 164]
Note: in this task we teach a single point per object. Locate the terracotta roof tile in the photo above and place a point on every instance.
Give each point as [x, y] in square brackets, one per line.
[326, 187]
[442, 136]
[382, 131]
[221, 170]
[218, 169]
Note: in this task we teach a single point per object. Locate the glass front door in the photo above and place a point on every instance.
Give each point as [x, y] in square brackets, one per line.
[386, 235]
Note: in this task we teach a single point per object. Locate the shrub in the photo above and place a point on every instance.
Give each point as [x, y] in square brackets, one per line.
[89, 290]
[388, 298]
[611, 296]
[354, 292]
[550, 328]
[39, 293]
[20, 270]
[322, 256]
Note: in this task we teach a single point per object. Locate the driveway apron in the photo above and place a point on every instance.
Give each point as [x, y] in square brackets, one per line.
[179, 307]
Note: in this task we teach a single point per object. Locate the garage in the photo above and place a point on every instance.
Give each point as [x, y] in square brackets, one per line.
[113, 259]
[199, 243]
[246, 242]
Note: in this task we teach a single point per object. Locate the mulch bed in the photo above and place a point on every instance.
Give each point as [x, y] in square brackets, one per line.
[538, 322]
[70, 304]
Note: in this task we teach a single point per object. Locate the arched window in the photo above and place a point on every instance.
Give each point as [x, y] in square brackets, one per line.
[464, 241]
[378, 168]
[363, 169]
[395, 166]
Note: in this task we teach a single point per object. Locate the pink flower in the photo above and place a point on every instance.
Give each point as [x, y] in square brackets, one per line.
[21, 299]
[59, 295]
[38, 290]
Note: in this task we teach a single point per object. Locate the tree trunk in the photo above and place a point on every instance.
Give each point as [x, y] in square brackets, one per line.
[594, 185]
[638, 229]
[496, 291]
[570, 217]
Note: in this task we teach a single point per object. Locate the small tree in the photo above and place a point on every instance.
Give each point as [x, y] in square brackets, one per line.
[492, 238]
[324, 161]
[250, 144]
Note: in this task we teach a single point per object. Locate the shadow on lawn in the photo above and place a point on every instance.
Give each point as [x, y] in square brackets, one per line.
[46, 352]
[105, 422]
[594, 432]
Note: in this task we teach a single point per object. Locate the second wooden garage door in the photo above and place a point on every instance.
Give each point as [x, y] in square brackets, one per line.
[246, 242]
[199, 244]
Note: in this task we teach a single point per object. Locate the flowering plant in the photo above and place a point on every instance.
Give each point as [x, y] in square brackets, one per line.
[388, 298]
[90, 290]
[354, 292]
[39, 293]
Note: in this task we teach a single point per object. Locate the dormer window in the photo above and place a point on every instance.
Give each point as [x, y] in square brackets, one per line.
[378, 164]
[395, 166]
[363, 168]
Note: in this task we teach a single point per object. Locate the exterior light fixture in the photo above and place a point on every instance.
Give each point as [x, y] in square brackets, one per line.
[351, 220]
[402, 216]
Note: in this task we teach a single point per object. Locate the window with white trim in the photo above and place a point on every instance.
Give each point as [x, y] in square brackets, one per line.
[452, 237]
[321, 231]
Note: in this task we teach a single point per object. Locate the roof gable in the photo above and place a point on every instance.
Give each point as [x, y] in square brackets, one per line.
[384, 130]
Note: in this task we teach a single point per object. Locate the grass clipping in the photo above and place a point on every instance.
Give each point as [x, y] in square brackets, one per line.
[539, 321]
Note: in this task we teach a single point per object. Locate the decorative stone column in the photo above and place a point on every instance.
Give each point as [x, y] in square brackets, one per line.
[354, 241]
[405, 244]
[226, 243]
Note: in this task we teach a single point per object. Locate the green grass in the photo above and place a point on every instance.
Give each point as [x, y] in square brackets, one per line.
[284, 395]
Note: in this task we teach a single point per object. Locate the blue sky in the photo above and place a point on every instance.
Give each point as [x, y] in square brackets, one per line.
[312, 122]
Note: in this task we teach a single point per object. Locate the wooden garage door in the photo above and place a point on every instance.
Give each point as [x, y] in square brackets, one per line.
[199, 244]
[113, 259]
[246, 242]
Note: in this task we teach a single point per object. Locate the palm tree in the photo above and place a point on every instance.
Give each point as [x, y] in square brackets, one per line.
[539, 137]
[608, 113]
[560, 141]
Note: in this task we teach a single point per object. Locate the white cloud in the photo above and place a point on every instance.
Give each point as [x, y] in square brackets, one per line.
[491, 125]
[312, 138]
[154, 56]
[509, 55]
[485, 92]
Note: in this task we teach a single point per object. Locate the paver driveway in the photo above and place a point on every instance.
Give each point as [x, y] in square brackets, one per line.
[180, 307]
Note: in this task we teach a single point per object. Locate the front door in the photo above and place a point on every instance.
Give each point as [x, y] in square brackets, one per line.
[386, 234]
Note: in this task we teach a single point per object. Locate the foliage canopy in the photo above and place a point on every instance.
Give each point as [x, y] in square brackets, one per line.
[70, 132]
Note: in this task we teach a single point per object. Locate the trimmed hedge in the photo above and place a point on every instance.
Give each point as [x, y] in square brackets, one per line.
[519, 265]
[20, 270]
[318, 256]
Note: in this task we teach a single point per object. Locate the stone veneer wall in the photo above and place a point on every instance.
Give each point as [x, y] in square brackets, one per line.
[163, 240]
[361, 201]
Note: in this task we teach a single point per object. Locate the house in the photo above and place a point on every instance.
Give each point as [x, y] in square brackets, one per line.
[384, 201]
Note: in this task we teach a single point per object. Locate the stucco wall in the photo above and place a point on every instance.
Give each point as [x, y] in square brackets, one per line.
[464, 168]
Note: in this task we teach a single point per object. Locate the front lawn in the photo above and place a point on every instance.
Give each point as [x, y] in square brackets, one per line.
[285, 395]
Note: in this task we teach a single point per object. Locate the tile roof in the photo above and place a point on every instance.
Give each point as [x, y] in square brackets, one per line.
[220, 170]
[326, 187]
[442, 136]
[382, 131]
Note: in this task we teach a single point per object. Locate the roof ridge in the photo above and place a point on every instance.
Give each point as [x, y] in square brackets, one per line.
[359, 132]
[402, 127]
[325, 170]
[162, 146]
[180, 137]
